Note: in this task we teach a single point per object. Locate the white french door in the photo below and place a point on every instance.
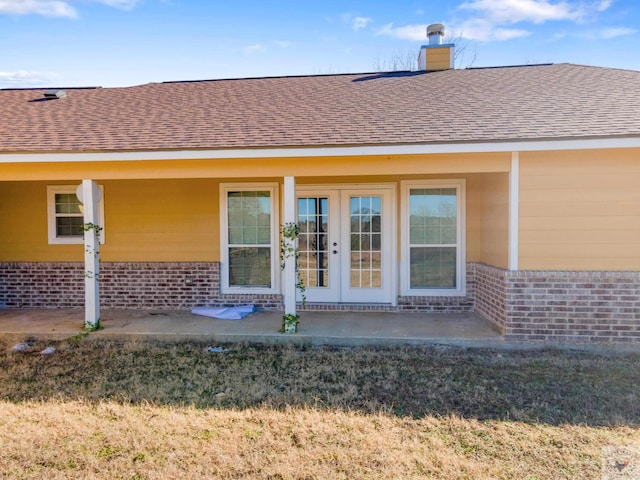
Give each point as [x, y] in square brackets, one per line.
[347, 243]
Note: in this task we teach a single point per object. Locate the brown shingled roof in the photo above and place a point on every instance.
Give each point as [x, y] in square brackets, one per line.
[485, 104]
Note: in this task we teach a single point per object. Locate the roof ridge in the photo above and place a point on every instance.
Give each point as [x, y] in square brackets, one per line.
[49, 88]
[275, 77]
[524, 65]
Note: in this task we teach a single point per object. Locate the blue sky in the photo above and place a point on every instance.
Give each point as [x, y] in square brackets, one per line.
[114, 43]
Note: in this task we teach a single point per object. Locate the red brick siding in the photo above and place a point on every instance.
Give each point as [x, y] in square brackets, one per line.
[170, 286]
[490, 296]
[573, 306]
[525, 305]
[443, 304]
[122, 285]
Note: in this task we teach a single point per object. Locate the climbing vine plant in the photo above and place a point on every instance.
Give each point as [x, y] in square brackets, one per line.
[92, 226]
[96, 229]
[87, 227]
[288, 249]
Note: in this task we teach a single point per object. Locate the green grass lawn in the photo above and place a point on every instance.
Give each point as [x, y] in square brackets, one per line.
[107, 409]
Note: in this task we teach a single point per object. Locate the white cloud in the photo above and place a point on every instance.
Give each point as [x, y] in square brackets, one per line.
[499, 20]
[493, 18]
[485, 30]
[25, 78]
[615, 32]
[408, 32]
[354, 21]
[515, 11]
[123, 4]
[56, 8]
[251, 49]
[49, 8]
[360, 22]
[283, 43]
[479, 29]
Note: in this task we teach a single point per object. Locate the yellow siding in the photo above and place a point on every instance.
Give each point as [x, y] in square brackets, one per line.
[169, 220]
[174, 220]
[438, 58]
[580, 210]
[474, 218]
[488, 219]
[178, 220]
[23, 225]
[267, 168]
[495, 220]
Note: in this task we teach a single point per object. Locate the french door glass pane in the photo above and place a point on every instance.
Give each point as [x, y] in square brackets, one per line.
[366, 245]
[313, 244]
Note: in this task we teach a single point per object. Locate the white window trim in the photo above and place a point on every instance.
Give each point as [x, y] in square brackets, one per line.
[54, 239]
[405, 289]
[272, 187]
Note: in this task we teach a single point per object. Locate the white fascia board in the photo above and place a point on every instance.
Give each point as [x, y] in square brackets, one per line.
[301, 152]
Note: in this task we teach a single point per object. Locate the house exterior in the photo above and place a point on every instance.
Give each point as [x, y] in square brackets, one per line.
[513, 192]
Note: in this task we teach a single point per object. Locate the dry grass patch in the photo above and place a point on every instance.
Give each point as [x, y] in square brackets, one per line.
[56, 439]
[99, 409]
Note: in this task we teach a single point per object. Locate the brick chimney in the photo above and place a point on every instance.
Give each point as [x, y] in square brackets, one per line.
[437, 55]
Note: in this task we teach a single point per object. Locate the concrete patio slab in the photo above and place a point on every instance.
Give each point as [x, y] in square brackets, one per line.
[316, 328]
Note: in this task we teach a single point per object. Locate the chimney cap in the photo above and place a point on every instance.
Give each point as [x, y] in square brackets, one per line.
[435, 33]
[54, 93]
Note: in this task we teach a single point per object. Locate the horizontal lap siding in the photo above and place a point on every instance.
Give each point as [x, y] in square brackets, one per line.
[168, 220]
[145, 220]
[488, 219]
[580, 210]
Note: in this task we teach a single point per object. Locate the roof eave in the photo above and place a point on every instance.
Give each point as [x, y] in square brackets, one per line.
[524, 145]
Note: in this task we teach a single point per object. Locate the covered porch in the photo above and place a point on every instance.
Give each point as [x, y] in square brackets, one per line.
[184, 232]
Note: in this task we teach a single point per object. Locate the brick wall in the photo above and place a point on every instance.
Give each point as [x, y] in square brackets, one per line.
[443, 304]
[573, 306]
[525, 305]
[169, 286]
[41, 285]
[558, 306]
[122, 285]
[490, 294]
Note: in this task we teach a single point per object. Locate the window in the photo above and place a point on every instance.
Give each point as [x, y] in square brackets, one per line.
[433, 234]
[249, 238]
[65, 215]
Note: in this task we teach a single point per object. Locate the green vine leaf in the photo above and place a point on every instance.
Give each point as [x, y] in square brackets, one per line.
[92, 226]
[288, 249]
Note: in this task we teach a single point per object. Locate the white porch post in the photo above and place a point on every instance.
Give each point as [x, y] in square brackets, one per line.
[289, 216]
[514, 202]
[90, 199]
